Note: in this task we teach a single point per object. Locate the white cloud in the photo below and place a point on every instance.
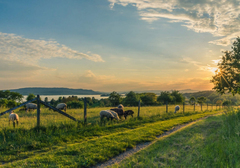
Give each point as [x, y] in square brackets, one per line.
[13, 69]
[218, 17]
[200, 66]
[30, 51]
[215, 62]
[89, 77]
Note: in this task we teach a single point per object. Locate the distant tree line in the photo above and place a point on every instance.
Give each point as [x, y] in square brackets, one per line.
[146, 99]
[131, 99]
[76, 102]
[11, 99]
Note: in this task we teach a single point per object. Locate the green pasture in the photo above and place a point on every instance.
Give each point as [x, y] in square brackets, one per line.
[48, 117]
[213, 142]
[60, 142]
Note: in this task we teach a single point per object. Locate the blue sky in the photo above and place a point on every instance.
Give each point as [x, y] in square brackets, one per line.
[119, 45]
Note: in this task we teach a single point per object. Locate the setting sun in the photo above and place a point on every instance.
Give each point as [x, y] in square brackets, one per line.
[214, 70]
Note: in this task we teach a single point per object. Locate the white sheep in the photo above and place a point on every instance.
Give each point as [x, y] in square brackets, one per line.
[12, 117]
[114, 114]
[120, 106]
[31, 106]
[109, 114]
[177, 108]
[62, 106]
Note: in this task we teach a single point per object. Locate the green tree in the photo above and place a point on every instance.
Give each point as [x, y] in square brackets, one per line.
[11, 95]
[131, 99]
[219, 102]
[227, 77]
[201, 100]
[192, 100]
[227, 103]
[2, 95]
[53, 103]
[16, 96]
[75, 104]
[177, 96]
[94, 100]
[46, 100]
[59, 99]
[165, 96]
[89, 101]
[31, 96]
[3, 102]
[11, 103]
[7, 94]
[114, 98]
[218, 98]
[105, 103]
[149, 98]
[70, 98]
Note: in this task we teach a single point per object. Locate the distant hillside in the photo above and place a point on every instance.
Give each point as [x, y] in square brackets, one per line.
[199, 94]
[55, 91]
[213, 96]
[188, 91]
[159, 91]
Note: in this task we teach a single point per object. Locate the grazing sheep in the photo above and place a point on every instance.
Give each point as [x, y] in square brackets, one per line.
[128, 112]
[119, 111]
[120, 106]
[109, 114]
[177, 108]
[62, 106]
[12, 117]
[31, 106]
[114, 114]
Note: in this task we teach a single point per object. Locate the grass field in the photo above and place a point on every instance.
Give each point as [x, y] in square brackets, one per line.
[61, 142]
[48, 118]
[213, 142]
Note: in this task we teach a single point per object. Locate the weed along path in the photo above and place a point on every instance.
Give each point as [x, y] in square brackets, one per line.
[91, 152]
[139, 147]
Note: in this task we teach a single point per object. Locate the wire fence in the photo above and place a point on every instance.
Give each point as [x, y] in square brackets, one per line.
[86, 115]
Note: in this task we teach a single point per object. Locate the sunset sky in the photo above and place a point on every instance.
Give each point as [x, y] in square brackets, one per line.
[114, 45]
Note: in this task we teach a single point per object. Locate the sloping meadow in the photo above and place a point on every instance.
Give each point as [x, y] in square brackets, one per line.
[72, 144]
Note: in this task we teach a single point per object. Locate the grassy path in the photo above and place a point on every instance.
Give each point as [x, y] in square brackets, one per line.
[116, 160]
[102, 148]
[208, 143]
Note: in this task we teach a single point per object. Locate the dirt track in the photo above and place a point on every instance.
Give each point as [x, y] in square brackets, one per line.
[139, 147]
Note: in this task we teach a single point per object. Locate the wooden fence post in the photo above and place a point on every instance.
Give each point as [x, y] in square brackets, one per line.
[38, 111]
[166, 106]
[85, 110]
[139, 108]
[183, 106]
